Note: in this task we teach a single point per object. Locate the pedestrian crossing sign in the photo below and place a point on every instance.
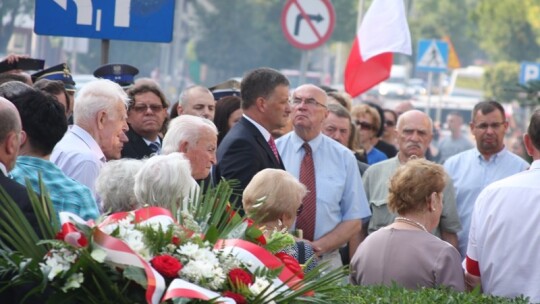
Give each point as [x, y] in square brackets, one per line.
[432, 56]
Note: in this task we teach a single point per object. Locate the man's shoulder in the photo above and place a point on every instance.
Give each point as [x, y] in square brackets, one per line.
[466, 156]
[384, 165]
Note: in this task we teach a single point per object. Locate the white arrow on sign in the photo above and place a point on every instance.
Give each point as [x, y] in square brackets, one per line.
[84, 10]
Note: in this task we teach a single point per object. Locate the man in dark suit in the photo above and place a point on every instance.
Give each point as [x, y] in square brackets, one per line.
[10, 141]
[249, 147]
[146, 115]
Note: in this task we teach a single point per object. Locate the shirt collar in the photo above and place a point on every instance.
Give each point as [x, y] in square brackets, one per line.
[88, 140]
[261, 129]
[297, 142]
[535, 165]
[3, 169]
[494, 157]
[148, 142]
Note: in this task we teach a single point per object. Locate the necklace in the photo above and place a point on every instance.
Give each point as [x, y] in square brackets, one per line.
[410, 222]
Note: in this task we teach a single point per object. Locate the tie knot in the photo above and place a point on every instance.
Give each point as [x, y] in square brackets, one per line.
[307, 148]
[154, 146]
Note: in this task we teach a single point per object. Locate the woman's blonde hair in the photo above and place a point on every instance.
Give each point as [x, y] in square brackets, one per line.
[271, 193]
[412, 185]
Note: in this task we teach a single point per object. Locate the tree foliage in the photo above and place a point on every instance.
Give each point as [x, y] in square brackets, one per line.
[9, 9]
[504, 31]
[500, 81]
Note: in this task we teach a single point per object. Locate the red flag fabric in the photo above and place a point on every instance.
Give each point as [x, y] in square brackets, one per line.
[384, 31]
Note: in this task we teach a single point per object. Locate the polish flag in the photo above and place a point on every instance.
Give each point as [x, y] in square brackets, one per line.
[384, 31]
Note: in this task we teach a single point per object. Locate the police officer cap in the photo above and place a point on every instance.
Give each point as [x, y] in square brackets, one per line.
[58, 72]
[123, 74]
[230, 87]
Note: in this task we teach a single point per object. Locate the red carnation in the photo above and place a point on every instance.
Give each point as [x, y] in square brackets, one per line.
[175, 240]
[166, 265]
[239, 276]
[238, 298]
[291, 263]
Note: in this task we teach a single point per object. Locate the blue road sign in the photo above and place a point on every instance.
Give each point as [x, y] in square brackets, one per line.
[149, 20]
[432, 56]
[529, 71]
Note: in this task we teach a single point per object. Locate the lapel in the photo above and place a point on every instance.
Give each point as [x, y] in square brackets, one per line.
[263, 143]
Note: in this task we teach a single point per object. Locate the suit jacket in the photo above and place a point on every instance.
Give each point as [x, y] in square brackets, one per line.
[136, 147]
[242, 153]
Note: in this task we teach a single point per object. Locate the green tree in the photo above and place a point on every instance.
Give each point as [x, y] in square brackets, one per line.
[500, 81]
[504, 31]
[9, 9]
[236, 36]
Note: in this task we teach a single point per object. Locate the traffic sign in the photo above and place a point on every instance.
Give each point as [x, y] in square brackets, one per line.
[149, 20]
[529, 71]
[432, 56]
[308, 24]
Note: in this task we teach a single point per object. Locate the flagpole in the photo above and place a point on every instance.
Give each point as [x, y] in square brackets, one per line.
[360, 13]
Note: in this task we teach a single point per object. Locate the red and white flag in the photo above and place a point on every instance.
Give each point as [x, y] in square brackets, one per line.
[384, 30]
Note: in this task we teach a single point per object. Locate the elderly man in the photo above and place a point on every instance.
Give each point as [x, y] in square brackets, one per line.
[249, 147]
[98, 133]
[414, 134]
[474, 169]
[197, 100]
[44, 123]
[196, 138]
[146, 115]
[336, 202]
[504, 239]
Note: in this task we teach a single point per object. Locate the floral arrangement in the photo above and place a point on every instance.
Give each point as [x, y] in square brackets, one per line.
[204, 253]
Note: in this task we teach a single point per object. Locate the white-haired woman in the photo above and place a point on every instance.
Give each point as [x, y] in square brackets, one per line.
[114, 185]
[165, 181]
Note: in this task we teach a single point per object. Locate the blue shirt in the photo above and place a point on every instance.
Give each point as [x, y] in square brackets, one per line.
[375, 155]
[471, 173]
[66, 194]
[340, 192]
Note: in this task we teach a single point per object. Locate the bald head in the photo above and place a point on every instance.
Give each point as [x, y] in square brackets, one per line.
[10, 133]
[414, 134]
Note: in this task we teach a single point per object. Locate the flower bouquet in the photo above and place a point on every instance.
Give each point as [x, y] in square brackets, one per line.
[203, 253]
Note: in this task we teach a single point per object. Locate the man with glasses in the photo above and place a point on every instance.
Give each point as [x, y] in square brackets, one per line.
[414, 134]
[490, 161]
[336, 202]
[249, 146]
[146, 115]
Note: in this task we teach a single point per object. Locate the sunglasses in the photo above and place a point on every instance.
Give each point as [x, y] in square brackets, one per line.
[364, 125]
[144, 108]
[299, 210]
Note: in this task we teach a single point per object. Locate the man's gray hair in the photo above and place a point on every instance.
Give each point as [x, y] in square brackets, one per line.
[185, 128]
[115, 182]
[185, 96]
[164, 181]
[95, 96]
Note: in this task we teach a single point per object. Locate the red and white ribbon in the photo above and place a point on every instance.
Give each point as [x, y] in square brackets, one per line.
[183, 289]
[258, 257]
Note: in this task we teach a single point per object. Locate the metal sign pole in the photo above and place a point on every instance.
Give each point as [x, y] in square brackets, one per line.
[105, 45]
[429, 85]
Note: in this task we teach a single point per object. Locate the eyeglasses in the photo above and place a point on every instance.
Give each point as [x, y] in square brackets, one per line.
[389, 123]
[364, 125]
[494, 125]
[311, 102]
[144, 108]
[299, 210]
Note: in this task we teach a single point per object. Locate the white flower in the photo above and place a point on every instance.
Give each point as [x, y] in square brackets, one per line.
[260, 285]
[57, 261]
[74, 281]
[190, 250]
[99, 255]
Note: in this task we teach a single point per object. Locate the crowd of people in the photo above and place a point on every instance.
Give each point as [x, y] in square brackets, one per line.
[348, 180]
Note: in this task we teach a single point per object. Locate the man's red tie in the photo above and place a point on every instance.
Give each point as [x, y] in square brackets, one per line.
[306, 219]
[272, 144]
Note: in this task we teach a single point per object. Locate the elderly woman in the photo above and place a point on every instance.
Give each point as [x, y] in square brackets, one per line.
[368, 122]
[405, 252]
[114, 185]
[165, 181]
[272, 199]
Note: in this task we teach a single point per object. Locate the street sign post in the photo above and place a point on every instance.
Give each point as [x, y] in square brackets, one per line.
[149, 20]
[307, 24]
[529, 71]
